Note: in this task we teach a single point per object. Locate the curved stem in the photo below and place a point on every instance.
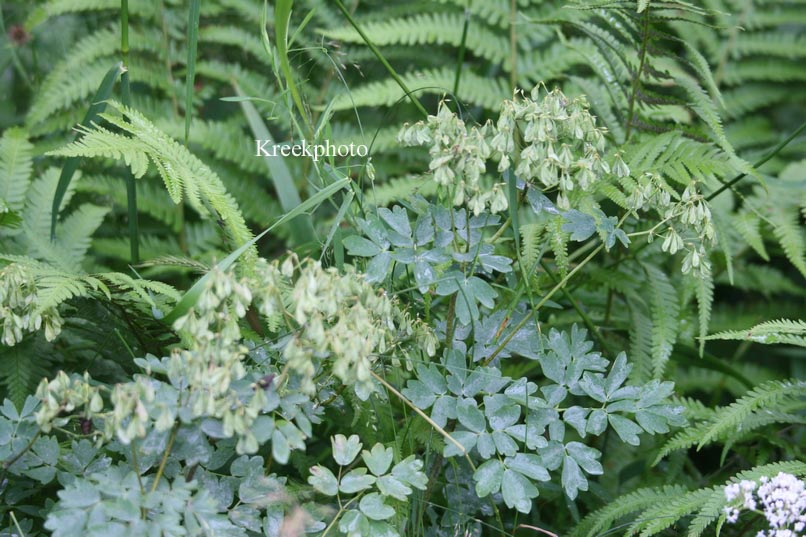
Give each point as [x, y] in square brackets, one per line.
[637, 80]
[164, 460]
[540, 304]
[381, 59]
[425, 416]
[8, 462]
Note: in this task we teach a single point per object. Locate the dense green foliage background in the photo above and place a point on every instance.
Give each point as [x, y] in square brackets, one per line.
[564, 295]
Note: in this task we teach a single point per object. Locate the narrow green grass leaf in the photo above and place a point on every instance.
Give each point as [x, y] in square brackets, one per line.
[279, 172]
[71, 165]
[193, 39]
[348, 199]
[126, 97]
[282, 18]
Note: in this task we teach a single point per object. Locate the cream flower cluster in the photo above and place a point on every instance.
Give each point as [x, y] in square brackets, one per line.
[781, 499]
[348, 322]
[560, 143]
[458, 158]
[328, 317]
[553, 141]
[20, 312]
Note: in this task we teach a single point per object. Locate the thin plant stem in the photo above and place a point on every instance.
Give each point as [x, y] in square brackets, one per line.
[131, 186]
[16, 523]
[637, 80]
[540, 304]
[381, 59]
[137, 467]
[513, 45]
[574, 304]
[164, 460]
[461, 56]
[425, 416]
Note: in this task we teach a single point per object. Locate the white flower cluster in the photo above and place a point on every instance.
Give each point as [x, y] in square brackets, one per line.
[686, 224]
[561, 143]
[328, 316]
[781, 499]
[554, 141]
[19, 308]
[689, 216]
[458, 158]
[348, 322]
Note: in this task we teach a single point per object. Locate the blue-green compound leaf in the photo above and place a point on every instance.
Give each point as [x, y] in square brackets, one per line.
[529, 465]
[345, 450]
[471, 291]
[354, 523]
[470, 416]
[378, 460]
[580, 225]
[409, 470]
[390, 486]
[374, 507]
[573, 478]
[356, 481]
[488, 477]
[518, 491]
[324, 481]
[626, 429]
[359, 246]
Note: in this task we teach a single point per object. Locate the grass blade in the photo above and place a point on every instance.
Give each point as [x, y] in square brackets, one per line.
[381, 58]
[279, 172]
[193, 39]
[190, 298]
[282, 18]
[71, 165]
[126, 97]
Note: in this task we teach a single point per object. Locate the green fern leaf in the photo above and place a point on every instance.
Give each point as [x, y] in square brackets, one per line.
[665, 309]
[790, 236]
[595, 523]
[765, 395]
[185, 176]
[15, 168]
[782, 331]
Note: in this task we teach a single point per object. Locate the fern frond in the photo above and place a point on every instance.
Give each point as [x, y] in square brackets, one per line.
[782, 331]
[185, 176]
[598, 521]
[665, 309]
[532, 246]
[76, 232]
[780, 44]
[54, 8]
[22, 367]
[65, 89]
[641, 331]
[430, 29]
[712, 508]
[705, 504]
[68, 250]
[753, 70]
[15, 168]
[766, 395]
[765, 279]
[705, 301]
[483, 91]
[151, 198]
[559, 244]
[786, 228]
[747, 224]
[236, 37]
